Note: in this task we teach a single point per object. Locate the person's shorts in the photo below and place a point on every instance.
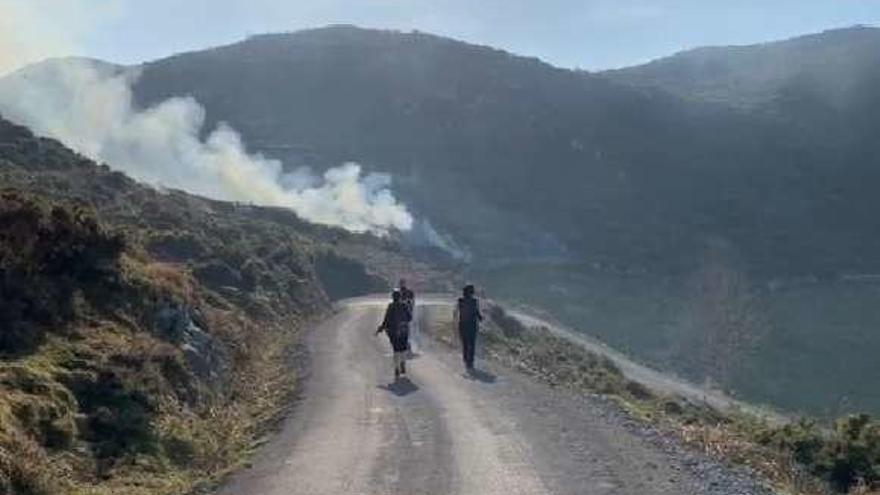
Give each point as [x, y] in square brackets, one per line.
[400, 339]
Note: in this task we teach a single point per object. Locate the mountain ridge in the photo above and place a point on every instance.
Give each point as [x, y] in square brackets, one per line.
[527, 145]
[711, 72]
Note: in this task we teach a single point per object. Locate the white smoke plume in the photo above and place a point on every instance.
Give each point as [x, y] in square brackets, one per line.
[88, 107]
[423, 234]
[32, 30]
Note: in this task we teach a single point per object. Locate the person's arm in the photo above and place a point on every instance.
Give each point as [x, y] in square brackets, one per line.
[455, 314]
[477, 309]
[384, 324]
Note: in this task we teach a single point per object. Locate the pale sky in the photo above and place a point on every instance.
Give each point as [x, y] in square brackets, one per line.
[588, 34]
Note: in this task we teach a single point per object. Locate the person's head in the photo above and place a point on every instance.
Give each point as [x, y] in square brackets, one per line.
[402, 284]
[468, 290]
[395, 295]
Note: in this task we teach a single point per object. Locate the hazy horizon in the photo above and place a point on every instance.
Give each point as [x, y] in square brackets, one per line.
[594, 35]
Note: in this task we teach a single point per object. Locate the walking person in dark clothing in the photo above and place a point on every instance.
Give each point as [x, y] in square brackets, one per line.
[467, 313]
[396, 325]
[408, 297]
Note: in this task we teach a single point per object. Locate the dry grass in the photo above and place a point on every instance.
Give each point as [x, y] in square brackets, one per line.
[723, 441]
[202, 445]
[22, 462]
[41, 449]
[863, 489]
[170, 278]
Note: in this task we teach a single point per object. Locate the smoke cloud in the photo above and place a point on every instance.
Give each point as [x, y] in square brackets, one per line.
[88, 106]
[32, 30]
[423, 234]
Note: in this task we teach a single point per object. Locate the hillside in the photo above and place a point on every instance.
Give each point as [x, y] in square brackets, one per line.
[837, 63]
[823, 86]
[145, 335]
[546, 162]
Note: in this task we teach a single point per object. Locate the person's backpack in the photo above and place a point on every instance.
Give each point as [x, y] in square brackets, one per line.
[409, 299]
[402, 315]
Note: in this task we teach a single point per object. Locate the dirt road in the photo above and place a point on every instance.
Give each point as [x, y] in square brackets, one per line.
[443, 432]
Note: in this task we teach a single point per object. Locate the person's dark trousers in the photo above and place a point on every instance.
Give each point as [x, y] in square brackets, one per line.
[468, 334]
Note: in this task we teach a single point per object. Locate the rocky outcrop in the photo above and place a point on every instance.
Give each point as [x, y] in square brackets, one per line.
[206, 357]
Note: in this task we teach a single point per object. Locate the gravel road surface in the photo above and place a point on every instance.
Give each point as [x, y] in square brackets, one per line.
[441, 431]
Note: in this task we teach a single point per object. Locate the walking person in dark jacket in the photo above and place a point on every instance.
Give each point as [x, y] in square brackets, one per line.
[468, 316]
[408, 297]
[396, 325]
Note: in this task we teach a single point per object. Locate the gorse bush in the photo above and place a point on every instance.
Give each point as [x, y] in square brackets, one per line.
[56, 240]
[802, 439]
[47, 253]
[847, 455]
[853, 453]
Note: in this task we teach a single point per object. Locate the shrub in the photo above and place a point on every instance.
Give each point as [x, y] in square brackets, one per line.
[46, 254]
[119, 415]
[802, 438]
[853, 453]
[846, 456]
